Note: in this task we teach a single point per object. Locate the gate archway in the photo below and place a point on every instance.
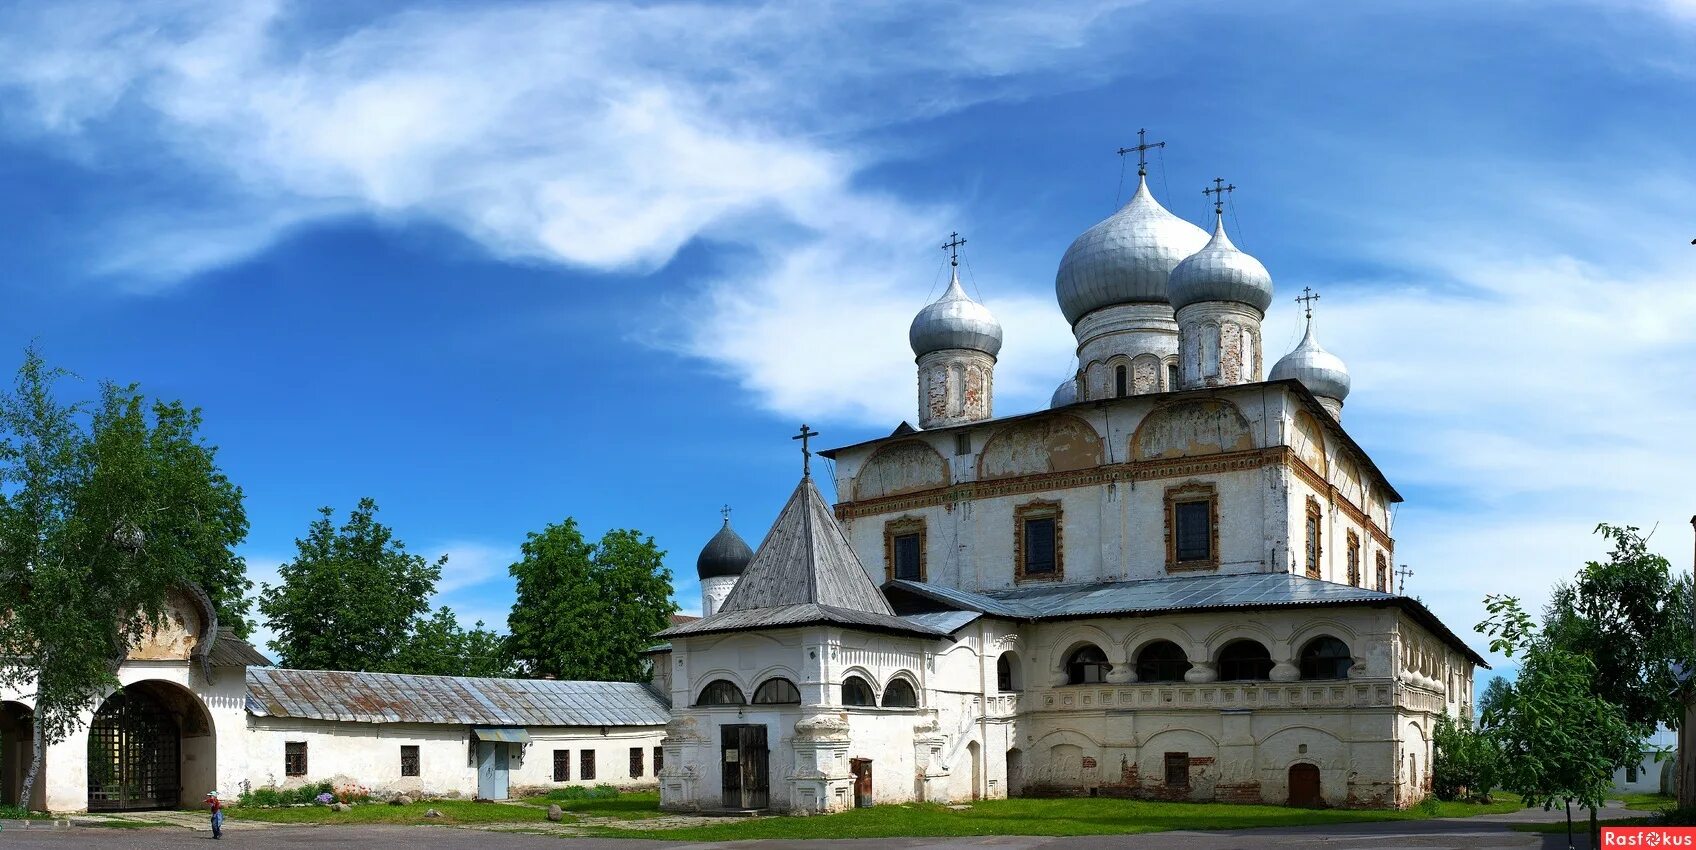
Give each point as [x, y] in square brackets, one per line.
[147, 743]
[17, 748]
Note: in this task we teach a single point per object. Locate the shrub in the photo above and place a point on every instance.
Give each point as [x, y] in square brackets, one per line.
[1466, 762]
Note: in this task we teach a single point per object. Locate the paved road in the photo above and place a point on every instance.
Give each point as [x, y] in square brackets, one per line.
[1411, 835]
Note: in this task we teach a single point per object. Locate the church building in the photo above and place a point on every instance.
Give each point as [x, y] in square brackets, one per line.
[1176, 582]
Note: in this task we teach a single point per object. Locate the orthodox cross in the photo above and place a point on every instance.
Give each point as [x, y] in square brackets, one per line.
[1219, 191]
[1404, 572]
[726, 512]
[806, 453]
[1142, 149]
[1306, 299]
[952, 246]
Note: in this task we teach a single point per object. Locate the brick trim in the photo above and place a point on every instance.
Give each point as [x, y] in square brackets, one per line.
[1193, 491]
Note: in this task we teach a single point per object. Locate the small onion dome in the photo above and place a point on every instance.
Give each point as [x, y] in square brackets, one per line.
[1066, 393]
[1322, 372]
[1220, 272]
[724, 555]
[955, 321]
[1126, 258]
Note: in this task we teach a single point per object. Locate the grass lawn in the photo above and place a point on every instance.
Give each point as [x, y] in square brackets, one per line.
[1650, 802]
[1069, 816]
[453, 811]
[633, 805]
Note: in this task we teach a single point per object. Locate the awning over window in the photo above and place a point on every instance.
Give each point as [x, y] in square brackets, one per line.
[509, 734]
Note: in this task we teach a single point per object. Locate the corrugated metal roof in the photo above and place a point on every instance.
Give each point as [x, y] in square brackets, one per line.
[228, 651]
[944, 621]
[802, 615]
[455, 700]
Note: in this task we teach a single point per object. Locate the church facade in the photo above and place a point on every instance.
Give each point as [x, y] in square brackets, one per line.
[1176, 582]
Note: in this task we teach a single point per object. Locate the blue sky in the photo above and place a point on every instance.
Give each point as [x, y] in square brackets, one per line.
[495, 265]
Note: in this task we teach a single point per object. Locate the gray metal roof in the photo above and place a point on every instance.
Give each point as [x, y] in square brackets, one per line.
[453, 700]
[954, 321]
[946, 621]
[230, 651]
[804, 572]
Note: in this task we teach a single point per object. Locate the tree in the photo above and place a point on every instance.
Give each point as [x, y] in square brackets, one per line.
[1465, 761]
[103, 514]
[350, 598]
[1559, 741]
[438, 646]
[1631, 617]
[1493, 699]
[588, 611]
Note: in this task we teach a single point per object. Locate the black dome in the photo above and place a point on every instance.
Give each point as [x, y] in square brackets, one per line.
[724, 555]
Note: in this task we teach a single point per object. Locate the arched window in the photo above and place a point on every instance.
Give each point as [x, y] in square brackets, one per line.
[857, 691]
[721, 692]
[778, 691]
[900, 694]
[1121, 386]
[1171, 376]
[1087, 666]
[1007, 673]
[1162, 661]
[1325, 657]
[1244, 661]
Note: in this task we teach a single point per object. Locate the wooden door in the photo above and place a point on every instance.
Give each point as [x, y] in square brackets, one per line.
[1304, 786]
[862, 771]
[745, 767]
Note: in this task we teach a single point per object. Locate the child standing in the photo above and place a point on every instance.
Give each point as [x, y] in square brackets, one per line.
[217, 814]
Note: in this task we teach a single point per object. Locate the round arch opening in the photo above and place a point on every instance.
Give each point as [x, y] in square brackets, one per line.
[17, 749]
[151, 745]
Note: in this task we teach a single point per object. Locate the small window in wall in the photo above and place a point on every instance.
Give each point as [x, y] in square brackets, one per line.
[586, 764]
[963, 443]
[1121, 382]
[900, 694]
[1354, 559]
[1383, 568]
[1006, 678]
[904, 548]
[635, 762]
[1631, 773]
[778, 691]
[1192, 528]
[1314, 516]
[721, 692]
[1087, 666]
[1171, 376]
[1177, 770]
[659, 760]
[408, 759]
[562, 765]
[857, 691]
[294, 758]
[1036, 541]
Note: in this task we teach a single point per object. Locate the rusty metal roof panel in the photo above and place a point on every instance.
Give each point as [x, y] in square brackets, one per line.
[450, 700]
[229, 651]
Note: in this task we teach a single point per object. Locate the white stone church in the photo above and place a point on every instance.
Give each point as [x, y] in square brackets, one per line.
[1174, 583]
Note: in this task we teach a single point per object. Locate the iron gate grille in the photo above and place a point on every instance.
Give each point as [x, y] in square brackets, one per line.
[133, 755]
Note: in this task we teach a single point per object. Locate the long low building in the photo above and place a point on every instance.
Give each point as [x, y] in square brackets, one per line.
[200, 710]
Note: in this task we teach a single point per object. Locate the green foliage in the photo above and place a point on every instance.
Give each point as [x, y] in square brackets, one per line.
[1558, 741]
[1466, 762]
[1629, 615]
[579, 792]
[1492, 700]
[588, 611]
[105, 511]
[304, 795]
[439, 647]
[350, 598]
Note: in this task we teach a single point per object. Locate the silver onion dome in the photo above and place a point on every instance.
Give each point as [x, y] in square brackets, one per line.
[727, 554]
[1322, 372]
[1220, 272]
[1066, 393]
[954, 321]
[1125, 258]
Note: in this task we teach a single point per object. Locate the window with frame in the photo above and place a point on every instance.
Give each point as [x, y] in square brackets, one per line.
[1006, 677]
[635, 762]
[1036, 541]
[900, 694]
[1177, 770]
[586, 764]
[1383, 574]
[408, 759]
[1314, 517]
[904, 548]
[1192, 527]
[1244, 661]
[721, 692]
[659, 760]
[963, 443]
[1325, 657]
[1121, 382]
[777, 691]
[562, 765]
[1162, 661]
[294, 758]
[1087, 665]
[1171, 376]
[857, 691]
[1354, 559]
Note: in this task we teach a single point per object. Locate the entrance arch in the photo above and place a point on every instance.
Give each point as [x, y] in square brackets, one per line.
[1015, 772]
[150, 746]
[17, 748]
[1304, 786]
[976, 754]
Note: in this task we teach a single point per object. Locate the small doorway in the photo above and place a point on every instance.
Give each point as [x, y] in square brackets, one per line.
[976, 754]
[745, 764]
[1015, 772]
[1304, 786]
[492, 767]
[862, 771]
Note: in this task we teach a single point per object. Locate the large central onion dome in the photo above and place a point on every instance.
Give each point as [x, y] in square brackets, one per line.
[1220, 272]
[1322, 372]
[955, 321]
[1126, 258]
[727, 554]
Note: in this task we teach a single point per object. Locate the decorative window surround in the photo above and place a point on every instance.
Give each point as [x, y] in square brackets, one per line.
[1035, 511]
[1191, 493]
